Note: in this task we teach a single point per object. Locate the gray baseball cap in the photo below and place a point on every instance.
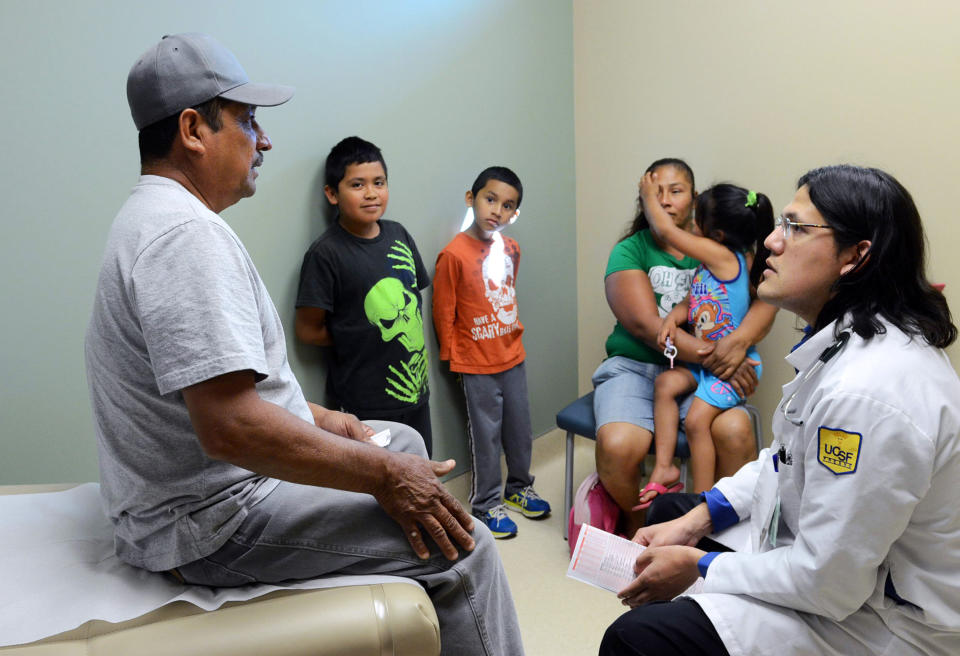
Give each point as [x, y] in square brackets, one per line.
[184, 70]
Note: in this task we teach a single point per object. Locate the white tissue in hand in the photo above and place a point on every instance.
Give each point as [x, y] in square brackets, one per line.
[382, 438]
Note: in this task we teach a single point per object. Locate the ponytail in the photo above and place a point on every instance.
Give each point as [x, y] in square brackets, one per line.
[639, 223]
[738, 218]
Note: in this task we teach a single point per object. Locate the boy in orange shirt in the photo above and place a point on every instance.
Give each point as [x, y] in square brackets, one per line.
[475, 314]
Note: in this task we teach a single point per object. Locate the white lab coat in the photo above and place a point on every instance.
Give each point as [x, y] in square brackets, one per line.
[849, 517]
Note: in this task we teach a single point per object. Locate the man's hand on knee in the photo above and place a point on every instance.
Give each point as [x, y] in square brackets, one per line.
[413, 496]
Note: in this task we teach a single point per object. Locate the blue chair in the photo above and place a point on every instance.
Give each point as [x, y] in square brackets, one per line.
[577, 419]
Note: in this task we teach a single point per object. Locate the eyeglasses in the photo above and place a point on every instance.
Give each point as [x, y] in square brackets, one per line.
[789, 226]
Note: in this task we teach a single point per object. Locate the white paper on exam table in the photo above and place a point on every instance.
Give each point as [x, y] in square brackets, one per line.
[59, 570]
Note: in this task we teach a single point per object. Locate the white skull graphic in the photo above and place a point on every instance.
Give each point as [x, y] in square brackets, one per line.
[498, 281]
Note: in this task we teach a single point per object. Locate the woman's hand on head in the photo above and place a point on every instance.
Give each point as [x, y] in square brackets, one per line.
[649, 187]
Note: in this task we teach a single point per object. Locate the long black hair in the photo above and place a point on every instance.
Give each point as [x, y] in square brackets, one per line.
[737, 218]
[640, 222]
[890, 280]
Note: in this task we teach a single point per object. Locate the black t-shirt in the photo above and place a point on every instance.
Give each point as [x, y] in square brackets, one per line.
[370, 289]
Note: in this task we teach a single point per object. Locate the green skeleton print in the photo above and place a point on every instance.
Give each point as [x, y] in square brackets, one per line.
[395, 311]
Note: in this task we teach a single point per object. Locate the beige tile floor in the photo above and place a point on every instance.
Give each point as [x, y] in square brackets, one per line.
[558, 616]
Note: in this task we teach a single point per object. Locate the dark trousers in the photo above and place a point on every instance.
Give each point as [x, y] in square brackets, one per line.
[666, 628]
[416, 418]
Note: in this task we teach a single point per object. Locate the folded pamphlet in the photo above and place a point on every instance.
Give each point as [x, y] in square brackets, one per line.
[605, 560]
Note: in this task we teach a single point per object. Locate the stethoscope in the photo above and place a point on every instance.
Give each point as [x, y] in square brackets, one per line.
[828, 353]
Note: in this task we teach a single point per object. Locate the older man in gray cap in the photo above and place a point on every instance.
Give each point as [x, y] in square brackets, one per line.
[213, 465]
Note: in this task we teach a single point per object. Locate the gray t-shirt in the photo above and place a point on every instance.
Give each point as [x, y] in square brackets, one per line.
[178, 301]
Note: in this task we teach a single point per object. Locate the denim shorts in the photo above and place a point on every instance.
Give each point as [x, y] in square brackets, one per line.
[623, 391]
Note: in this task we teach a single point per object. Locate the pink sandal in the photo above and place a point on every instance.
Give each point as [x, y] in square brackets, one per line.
[659, 489]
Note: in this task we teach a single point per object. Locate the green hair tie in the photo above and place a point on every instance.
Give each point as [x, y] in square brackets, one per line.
[751, 198]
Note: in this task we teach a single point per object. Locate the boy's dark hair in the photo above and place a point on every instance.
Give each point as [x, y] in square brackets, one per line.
[352, 150]
[156, 139]
[640, 222]
[890, 280]
[501, 173]
[737, 218]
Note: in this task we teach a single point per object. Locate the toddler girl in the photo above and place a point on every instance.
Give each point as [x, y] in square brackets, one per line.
[730, 223]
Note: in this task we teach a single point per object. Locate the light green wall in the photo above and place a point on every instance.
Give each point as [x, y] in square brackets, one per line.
[444, 88]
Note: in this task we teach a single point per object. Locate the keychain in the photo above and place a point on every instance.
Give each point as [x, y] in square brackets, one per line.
[670, 352]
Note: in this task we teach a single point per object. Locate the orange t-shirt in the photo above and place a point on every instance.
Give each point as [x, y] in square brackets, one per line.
[475, 305]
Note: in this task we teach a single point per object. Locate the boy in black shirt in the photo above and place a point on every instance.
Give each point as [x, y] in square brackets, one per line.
[360, 294]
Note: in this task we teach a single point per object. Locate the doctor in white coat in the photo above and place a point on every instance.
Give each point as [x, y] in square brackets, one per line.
[853, 511]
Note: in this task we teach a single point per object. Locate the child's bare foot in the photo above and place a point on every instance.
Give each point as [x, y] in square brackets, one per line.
[662, 479]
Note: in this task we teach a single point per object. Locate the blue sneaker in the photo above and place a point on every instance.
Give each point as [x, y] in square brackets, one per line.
[497, 521]
[528, 502]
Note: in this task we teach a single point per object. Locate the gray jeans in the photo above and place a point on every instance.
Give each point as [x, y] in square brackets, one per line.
[302, 531]
[498, 412]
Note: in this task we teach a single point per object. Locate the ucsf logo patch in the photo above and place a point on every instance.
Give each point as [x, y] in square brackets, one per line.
[839, 450]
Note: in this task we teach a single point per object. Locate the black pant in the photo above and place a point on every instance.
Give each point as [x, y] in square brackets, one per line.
[666, 628]
[417, 418]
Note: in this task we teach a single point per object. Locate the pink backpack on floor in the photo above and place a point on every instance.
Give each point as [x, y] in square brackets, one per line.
[592, 505]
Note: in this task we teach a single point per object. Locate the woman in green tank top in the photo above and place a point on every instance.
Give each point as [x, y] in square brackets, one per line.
[644, 280]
